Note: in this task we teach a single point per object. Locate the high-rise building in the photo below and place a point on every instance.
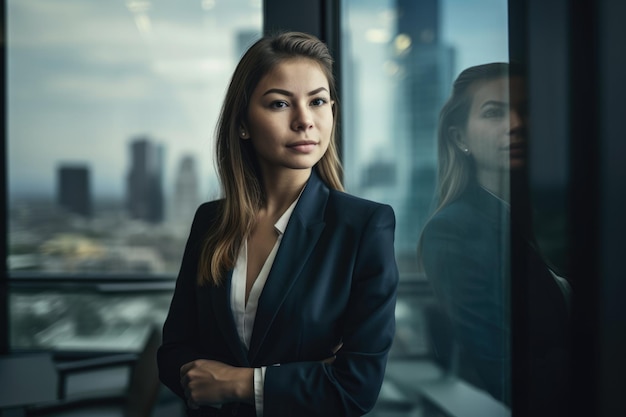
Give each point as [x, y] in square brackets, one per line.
[186, 191]
[427, 68]
[145, 181]
[73, 191]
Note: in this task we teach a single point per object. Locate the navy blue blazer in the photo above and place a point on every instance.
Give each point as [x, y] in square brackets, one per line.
[334, 279]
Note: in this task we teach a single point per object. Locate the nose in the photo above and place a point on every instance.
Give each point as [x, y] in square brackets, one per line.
[515, 119]
[517, 125]
[302, 118]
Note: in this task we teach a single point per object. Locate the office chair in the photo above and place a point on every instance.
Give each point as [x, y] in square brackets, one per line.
[137, 400]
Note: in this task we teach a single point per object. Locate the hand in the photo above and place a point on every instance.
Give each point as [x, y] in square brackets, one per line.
[208, 382]
[335, 350]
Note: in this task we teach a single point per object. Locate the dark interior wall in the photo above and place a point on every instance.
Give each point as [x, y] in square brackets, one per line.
[612, 172]
[576, 62]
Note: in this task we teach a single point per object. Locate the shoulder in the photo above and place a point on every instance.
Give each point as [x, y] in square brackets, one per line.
[356, 209]
[456, 211]
[205, 216]
[458, 218]
[209, 208]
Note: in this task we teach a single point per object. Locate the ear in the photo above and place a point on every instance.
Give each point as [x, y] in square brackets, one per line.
[243, 132]
[456, 136]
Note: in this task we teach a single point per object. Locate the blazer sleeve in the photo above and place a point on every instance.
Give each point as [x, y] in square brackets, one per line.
[180, 331]
[350, 385]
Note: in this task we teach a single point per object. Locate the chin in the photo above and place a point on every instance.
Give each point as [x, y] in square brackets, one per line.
[517, 163]
[307, 163]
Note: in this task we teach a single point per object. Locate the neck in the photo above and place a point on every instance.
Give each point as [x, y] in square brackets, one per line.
[282, 190]
[496, 183]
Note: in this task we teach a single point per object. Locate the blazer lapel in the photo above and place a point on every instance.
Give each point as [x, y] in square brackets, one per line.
[304, 229]
[220, 299]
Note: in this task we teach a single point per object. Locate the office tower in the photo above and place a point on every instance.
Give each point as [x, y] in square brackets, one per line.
[186, 194]
[144, 186]
[427, 65]
[73, 192]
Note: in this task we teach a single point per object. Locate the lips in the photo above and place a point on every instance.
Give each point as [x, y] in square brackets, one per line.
[514, 147]
[303, 146]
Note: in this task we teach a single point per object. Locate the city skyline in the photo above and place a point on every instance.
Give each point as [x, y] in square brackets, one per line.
[84, 76]
[144, 186]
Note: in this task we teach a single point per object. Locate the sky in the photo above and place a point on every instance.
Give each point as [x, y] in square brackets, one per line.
[85, 77]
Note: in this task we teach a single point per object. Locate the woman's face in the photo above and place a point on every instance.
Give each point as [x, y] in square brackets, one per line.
[290, 117]
[495, 134]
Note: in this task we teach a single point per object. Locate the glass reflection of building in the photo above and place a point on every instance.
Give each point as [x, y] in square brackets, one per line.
[421, 68]
[425, 67]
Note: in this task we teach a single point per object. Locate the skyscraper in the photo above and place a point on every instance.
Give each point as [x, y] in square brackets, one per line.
[73, 191]
[186, 192]
[144, 183]
[427, 65]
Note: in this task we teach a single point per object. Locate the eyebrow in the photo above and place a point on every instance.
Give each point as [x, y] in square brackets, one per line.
[290, 94]
[494, 103]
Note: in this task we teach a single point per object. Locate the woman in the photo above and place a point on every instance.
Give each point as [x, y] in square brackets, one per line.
[284, 305]
[465, 248]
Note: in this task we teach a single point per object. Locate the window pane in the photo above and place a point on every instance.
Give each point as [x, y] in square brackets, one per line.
[111, 107]
[400, 60]
[111, 110]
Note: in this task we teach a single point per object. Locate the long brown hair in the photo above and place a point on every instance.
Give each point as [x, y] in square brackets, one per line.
[236, 160]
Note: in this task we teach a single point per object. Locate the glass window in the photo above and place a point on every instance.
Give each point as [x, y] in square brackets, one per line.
[111, 108]
[400, 58]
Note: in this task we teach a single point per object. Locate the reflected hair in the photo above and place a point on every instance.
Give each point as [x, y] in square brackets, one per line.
[236, 160]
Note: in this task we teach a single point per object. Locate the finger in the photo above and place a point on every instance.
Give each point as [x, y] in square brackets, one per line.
[192, 404]
[184, 381]
[186, 367]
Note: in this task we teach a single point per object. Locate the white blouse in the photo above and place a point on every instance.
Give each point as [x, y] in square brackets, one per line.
[243, 313]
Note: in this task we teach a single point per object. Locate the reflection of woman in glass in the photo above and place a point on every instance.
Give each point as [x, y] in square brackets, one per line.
[284, 305]
[465, 246]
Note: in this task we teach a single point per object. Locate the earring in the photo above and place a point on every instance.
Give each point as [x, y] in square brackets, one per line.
[466, 151]
[243, 134]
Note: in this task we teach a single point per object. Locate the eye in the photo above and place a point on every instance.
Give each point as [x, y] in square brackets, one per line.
[493, 112]
[318, 102]
[278, 104]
